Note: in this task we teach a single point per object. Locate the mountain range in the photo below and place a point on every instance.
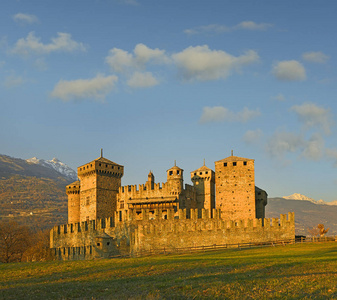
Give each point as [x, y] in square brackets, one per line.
[32, 192]
[297, 196]
[56, 165]
[308, 213]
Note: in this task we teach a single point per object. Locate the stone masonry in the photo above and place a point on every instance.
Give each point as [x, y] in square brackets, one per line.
[222, 206]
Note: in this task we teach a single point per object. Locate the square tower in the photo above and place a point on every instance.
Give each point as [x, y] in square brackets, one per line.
[235, 188]
[100, 181]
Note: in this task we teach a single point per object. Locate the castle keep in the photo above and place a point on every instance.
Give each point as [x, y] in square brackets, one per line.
[221, 207]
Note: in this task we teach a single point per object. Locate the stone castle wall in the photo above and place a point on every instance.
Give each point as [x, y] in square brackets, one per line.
[184, 228]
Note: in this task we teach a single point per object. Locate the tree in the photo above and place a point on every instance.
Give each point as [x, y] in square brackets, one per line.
[15, 239]
[39, 249]
[322, 231]
[318, 230]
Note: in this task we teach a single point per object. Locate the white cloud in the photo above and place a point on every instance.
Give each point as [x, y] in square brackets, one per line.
[281, 143]
[13, 81]
[332, 154]
[25, 18]
[250, 25]
[312, 115]
[121, 61]
[32, 45]
[314, 147]
[193, 63]
[315, 57]
[279, 97]
[144, 54]
[252, 136]
[202, 63]
[141, 80]
[289, 70]
[221, 114]
[216, 28]
[41, 64]
[96, 88]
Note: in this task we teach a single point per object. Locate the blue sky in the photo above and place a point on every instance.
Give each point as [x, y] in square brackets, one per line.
[151, 82]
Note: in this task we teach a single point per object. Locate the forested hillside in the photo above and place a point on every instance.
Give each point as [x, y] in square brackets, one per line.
[31, 194]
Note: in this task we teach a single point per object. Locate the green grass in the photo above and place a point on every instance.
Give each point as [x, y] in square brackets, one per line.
[307, 271]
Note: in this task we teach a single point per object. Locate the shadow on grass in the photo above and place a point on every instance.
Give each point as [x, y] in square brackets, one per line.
[255, 273]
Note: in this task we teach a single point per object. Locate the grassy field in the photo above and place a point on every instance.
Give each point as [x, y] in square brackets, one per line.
[307, 271]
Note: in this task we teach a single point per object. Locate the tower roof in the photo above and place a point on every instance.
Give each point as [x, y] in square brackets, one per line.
[75, 183]
[104, 161]
[234, 158]
[174, 168]
[203, 168]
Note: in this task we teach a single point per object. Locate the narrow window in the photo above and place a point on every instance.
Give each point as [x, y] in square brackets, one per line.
[245, 163]
[225, 164]
[234, 163]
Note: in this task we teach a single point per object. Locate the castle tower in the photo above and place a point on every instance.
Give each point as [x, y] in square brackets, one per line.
[235, 188]
[175, 179]
[204, 182]
[150, 181]
[73, 192]
[100, 180]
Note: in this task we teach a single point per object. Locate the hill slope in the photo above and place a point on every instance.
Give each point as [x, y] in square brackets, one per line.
[32, 194]
[307, 214]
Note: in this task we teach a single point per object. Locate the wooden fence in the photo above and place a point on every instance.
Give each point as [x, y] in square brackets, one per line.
[239, 246]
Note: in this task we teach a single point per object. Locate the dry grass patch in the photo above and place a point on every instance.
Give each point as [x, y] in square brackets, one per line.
[293, 272]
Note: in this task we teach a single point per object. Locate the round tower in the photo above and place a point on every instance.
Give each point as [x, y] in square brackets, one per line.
[175, 179]
[150, 181]
[204, 183]
[73, 192]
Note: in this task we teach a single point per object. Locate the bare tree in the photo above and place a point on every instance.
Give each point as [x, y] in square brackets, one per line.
[39, 250]
[318, 230]
[14, 241]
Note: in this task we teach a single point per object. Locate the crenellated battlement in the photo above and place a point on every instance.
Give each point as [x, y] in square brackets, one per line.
[285, 220]
[140, 189]
[91, 225]
[181, 228]
[180, 232]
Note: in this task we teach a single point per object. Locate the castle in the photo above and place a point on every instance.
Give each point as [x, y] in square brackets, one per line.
[222, 206]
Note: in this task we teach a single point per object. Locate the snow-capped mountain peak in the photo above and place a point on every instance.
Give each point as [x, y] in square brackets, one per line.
[298, 196]
[55, 164]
